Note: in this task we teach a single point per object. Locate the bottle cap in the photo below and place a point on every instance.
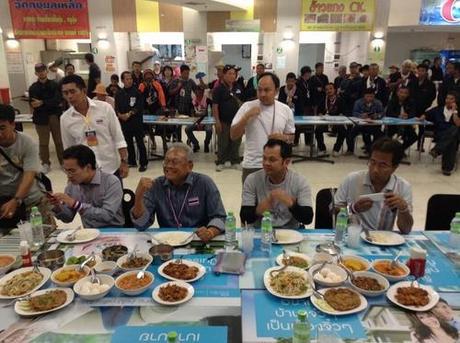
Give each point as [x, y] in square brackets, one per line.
[302, 315]
[457, 214]
[417, 253]
[24, 244]
[266, 213]
[230, 213]
[172, 335]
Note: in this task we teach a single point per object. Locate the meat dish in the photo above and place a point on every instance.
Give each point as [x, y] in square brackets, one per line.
[45, 302]
[412, 296]
[181, 271]
[134, 262]
[172, 293]
[342, 299]
[367, 283]
[131, 282]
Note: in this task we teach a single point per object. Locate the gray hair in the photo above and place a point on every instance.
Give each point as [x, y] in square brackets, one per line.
[407, 63]
[183, 147]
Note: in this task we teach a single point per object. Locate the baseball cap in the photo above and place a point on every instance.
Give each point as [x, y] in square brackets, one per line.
[227, 67]
[147, 71]
[39, 67]
[100, 89]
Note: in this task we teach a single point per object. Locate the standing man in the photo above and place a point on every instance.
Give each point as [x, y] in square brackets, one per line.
[69, 69]
[320, 80]
[287, 94]
[152, 90]
[424, 95]
[342, 75]
[220, 76]
[137, 73]
[129, 105]
[227, 99]
[102, 95]
[260, 120]
[451, 84]
[45, 100]
[94, 76]
[181, 89]
[93, 123]
[250, 92]
[351, 88]
[377, 83]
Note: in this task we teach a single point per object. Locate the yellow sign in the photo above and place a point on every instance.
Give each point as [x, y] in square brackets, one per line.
[337, 15]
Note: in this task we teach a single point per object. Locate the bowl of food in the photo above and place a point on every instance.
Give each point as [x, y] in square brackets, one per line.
[106, 267]
[129, 284]
[52, 259]
[173, 293]
[6, 262]
[93, 291]
[80, 259]
[355, 263]
[68, 275]
[114, 252]
[134, 262]
[393, 274]
[294, 259]
[369, 283]
[330, 275]
[321, 257]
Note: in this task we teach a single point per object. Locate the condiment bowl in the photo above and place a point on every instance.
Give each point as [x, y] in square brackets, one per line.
[123, 259]
[104, 279]
[135, 291]
[380, 279]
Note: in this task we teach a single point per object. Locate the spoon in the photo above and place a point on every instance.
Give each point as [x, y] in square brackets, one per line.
[141, 273]
[71, 236]
[94, 278]
[394, 262]
[285, 265]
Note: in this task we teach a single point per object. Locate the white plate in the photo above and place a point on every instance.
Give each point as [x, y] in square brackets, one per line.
[384, 238]
[82, 236]
[288, 236]
[124, 258]
[267, 279]
[360, 308]
[21, 312]
[46, 275]
[190, 293]
[374, 196]
[392, 278]
[173, 238]
[201, 270]
[338, 270]
[86, 269]
[279, 258]
[432, 295]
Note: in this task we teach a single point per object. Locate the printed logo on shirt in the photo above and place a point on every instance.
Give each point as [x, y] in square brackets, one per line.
[195, 201]
[99, 121]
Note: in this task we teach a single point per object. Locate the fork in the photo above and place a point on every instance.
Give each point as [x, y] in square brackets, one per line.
[25, 298]
[274, 239]
[367, 234]
[285, 256]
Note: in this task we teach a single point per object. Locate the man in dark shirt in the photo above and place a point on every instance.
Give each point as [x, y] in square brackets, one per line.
[350, 88]
[250, 92]
[114, 87]
[450, 84]
[227, 99]
[181, 89]
[137, 73]
[94, 76]
[129, 107]
[424, 95]
[288, 92]
[436, 70]
[319, 83]
[304, 104]
[375, 82]
[402, 106]
[69, 69]
[45, 99]
[342, 75]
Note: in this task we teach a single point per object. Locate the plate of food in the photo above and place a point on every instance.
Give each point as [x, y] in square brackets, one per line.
[135, 262]
[114, 252]
[369, 283]
[339, 301]
[81, 236]
[392, 273]
[284, 236]
[294, 259]
[6, 262]
[173, 238]
[330, 275]
[384, 238]
[418, 298]
[355, 263]
[68, 275]
[22, 282]
[128, 283]
[288, 283]
[182, 270]
[82, 258]
[173, 293]
[44, 301]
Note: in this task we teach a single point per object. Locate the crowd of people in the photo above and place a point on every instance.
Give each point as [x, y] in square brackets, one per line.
[94, 128]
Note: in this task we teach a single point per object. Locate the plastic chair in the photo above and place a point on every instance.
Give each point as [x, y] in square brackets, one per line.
[323, 213]
[127, 204]
[441, 209]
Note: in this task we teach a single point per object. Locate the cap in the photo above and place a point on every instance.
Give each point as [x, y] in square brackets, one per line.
[227, 67]
[219, 66]
[40, 67]
[100, 89]
[147, 71]
[157, 62]
[354, 65]
[393, 66]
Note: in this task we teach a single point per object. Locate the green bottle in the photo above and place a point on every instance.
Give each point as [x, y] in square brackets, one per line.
[301, 329]
[172, 337]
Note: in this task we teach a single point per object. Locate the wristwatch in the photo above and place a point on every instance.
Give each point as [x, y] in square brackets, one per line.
[18, 200]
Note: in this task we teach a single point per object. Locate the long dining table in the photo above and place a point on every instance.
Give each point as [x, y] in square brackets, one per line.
[231, 307]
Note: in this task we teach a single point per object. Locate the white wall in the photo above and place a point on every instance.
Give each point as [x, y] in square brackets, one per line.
[328, 38]
[404, 12]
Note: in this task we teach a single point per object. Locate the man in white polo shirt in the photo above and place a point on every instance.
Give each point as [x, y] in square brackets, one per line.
[377, 195]
[93, 123]
[260, 120]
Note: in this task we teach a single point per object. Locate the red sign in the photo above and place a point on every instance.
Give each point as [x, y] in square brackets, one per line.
[52, 19]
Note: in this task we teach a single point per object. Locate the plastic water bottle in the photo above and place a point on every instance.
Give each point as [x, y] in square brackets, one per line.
[230, 231]
[267, 232]
[341, 225]
[301, 330]
[36, 220]
[454, 239]
[172, 337]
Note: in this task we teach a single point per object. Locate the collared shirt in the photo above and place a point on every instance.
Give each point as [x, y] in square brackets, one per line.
[100, 199]
[47, 92]
[102, 119]
[195, 204]
[374, 109]
[359, 183]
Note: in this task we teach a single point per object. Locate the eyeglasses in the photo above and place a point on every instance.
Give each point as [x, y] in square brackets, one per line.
[173, 161]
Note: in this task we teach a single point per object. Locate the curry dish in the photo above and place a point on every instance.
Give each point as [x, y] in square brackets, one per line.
[342, 299]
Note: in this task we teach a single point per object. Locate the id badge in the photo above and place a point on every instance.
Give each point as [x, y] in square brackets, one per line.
[132, 101]
[182, 92]
[91, 138]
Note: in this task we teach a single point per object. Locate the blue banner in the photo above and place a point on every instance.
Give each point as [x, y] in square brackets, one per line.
[440, 12]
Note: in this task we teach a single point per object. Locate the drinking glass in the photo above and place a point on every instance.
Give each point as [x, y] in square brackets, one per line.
[247, 236]
[354, 232]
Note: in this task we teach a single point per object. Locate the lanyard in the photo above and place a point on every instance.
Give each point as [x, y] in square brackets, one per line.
[273, 123]
[255, 82]
[177, 217]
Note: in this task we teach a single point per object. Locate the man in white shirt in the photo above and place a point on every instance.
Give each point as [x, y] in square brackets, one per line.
[377, 196]
[260, 120]
[93, 123]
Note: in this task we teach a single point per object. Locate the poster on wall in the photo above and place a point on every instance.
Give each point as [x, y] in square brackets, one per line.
[52, 19]
[337, 15]
[440, 12]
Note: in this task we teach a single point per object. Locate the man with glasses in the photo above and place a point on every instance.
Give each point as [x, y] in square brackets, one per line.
[275, 188]
[377, 196]
[92, 193]
[181, 198]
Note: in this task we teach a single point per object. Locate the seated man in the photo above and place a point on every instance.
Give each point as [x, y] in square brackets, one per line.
[96, 195]
[180, 198]
[20, 190]
[367, 108]
[446, 122]
[379, 178]
[275, 188]
[403, 107]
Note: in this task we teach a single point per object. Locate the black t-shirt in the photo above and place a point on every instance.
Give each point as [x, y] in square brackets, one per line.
[228, 101]
[47, 92]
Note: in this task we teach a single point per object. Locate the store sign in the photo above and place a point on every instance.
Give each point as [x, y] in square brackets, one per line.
[52, 19]
[440, 12]
[242, 25]
[337, 15]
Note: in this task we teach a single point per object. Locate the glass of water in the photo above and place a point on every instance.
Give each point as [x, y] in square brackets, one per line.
[247, 236]
[354, 231]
